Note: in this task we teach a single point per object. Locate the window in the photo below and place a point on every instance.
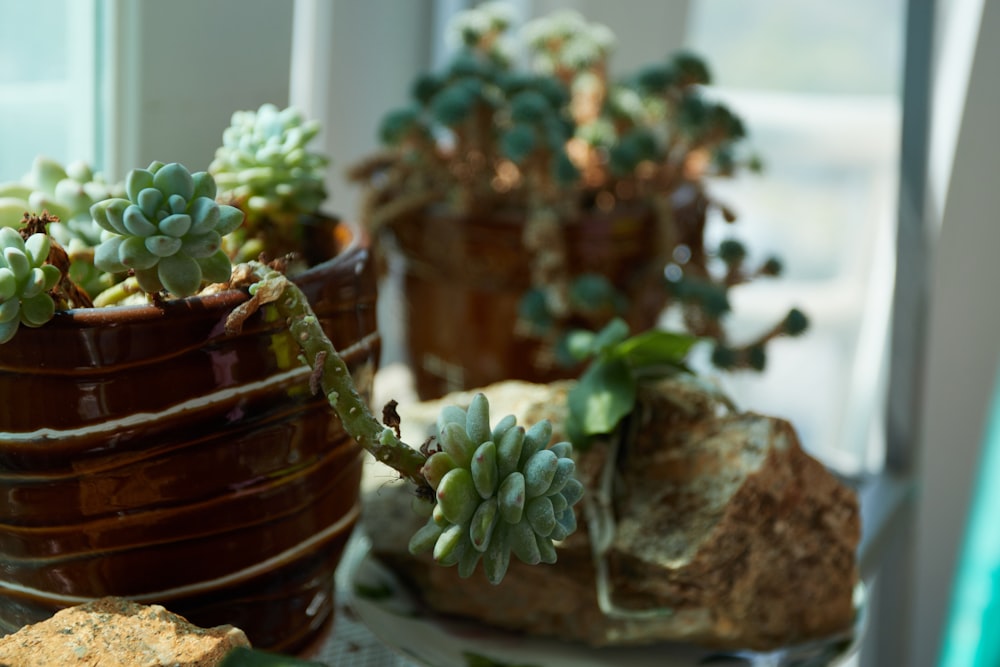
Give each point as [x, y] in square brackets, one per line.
[818, 88]
[47, 83]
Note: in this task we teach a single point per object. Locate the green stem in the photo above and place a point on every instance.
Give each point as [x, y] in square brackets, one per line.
[117, 293]
[332, 373]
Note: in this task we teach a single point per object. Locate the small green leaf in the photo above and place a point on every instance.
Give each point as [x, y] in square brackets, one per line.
[216, 268]
[205, 215]
[435, 468]
[8, 284]
[176, 225]
[604, 394]
[425, 538]
[179, 274]
[37, 246]
[161, 245]
[478, 419]
[614, 332]
[174, 179]
[37, 310]
[580, 344]
[133, 253]
[8, 327]
[106, 255]
[9, 311]
[202, 246]
[150, 200]
[457, 495]
[656, 348]
[136, 182]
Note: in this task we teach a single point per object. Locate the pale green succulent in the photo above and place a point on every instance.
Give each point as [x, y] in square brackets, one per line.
[25, 279]
[168, 231]
[498, 490]
[265, 167]
[566, 39]
[65, 192]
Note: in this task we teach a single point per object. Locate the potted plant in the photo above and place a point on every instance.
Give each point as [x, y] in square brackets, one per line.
[706, 531]
[582, 199]
[171, 439]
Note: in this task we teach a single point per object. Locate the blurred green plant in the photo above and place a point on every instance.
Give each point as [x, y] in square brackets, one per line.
[560, 139]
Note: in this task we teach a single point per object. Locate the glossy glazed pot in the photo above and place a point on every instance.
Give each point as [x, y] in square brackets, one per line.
[145, 453]
[461, 281]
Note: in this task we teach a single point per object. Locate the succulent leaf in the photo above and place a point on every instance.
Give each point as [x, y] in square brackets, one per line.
[179, 274]
[484, 469]
[478, 419]
[435, 468]
[217, 268]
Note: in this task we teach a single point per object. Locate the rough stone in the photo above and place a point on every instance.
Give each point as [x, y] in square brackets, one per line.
[112, 632]
[726, 533]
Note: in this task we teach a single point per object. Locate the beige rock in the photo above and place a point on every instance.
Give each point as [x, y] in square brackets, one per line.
[727, 534]
[112, 632]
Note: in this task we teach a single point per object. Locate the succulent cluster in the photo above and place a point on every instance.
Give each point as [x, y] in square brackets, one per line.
[266, 168]
[498, 491]
[25, 279]
[65, 192]
[168, 231]
[564, 43]
[561, 140]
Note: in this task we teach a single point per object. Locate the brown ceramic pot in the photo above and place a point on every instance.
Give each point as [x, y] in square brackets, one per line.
[146, 453]
[462, 280]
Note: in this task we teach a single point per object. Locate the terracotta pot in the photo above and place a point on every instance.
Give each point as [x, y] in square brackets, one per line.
[147, 454]
[461, 280]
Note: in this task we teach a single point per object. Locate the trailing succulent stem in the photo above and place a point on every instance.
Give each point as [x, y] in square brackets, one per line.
[498, 490]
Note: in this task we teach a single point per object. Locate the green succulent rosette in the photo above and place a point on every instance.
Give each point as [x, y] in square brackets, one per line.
[266, 168]
[499, 491]
[168, 231]
[25, 279]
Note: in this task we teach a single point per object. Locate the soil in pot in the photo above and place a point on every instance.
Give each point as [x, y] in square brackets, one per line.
[147, 454]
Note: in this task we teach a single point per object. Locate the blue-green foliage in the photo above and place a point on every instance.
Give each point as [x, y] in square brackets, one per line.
[168, 231]
[606, 391]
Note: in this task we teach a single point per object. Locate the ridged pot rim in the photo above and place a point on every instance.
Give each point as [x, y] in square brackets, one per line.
[224, 300]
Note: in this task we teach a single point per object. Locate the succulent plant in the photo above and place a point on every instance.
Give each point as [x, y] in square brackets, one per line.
[498, 491]
[25, 279]
[564, 41]
[562, 141]
[265, 167]
[168, 231]
[65, 192]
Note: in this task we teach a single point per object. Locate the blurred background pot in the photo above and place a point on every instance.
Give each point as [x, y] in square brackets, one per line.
[145, 453]
[462, 279]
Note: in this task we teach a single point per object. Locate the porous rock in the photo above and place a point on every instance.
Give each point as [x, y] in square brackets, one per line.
[727, 533]
[112, 632]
